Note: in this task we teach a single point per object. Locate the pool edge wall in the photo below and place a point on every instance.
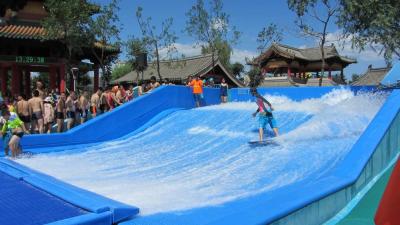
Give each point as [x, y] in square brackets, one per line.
[101, 210]
[372, 153]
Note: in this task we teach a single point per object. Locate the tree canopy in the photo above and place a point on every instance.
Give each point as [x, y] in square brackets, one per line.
[224, 50]
[372, 23]
[120, 70]
[268, 35]
[321, 13]
[104, 29]
[237, 69]
[156, 40]
[211, 29]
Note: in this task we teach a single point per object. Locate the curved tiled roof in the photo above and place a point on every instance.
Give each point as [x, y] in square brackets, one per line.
[181, 69]
[21, 32]
[372, 77]
[307, 54]
[31, 32]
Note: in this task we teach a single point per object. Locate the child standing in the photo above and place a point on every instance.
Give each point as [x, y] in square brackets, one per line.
[224, 91]
[265, 114]
[48, 114]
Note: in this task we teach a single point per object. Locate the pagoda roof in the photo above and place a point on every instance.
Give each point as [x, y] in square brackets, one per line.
[32, 32]
[373, 76]
[182, 68]
[303, 54]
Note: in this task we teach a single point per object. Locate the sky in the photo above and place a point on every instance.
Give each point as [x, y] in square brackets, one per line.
[249, 17]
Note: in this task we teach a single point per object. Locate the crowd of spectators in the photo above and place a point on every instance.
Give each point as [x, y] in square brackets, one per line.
[54, 111]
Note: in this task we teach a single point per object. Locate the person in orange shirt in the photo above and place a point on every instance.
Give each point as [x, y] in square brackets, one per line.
[197, 85]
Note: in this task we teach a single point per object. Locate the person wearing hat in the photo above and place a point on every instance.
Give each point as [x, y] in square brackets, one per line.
[197, 85]
[265, 114]
[48, 118]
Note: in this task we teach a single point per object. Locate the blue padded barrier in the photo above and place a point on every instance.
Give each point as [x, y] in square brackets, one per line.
[124, 119]
[86, 200]
[92, 218]
[21, 203]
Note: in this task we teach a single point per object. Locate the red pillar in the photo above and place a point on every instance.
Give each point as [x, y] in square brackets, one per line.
[27, 77]
[15, 80]
[289, 72]
[62, 78]
[96, 78]
[52, 77]
[3, 77]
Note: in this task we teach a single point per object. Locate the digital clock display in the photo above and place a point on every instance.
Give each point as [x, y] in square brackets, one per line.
[30, 59]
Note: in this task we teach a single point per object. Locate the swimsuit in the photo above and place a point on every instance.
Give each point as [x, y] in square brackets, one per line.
[93, 110]
[70, 115]
[37, 115]
[25, 119]
[263, 120]
[83, 113]
[198, 97]
[19, 134]
[224, 90]
[60, 115]
[265, 115]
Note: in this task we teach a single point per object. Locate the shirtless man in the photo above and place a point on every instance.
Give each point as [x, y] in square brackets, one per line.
[120, 95]
[23, 111]
[70, 108]
[40, 88]
[103, 101]
[36, 111]
[83, 106]
[153, 84]
[95, 102]
[60, 112]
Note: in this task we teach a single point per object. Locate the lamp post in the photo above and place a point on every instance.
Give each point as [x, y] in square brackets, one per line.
[74, 71]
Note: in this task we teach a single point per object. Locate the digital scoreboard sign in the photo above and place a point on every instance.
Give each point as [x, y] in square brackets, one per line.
[30, 59]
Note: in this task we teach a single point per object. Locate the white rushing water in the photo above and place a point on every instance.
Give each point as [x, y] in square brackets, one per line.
[201, 157]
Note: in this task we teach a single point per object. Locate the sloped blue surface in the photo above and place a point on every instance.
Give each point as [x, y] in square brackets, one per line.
[256, 209]
[393, 76]
[21, 203]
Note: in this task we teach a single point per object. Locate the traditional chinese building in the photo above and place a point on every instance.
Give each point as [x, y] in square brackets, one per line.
[373, 76]
[23, 51]
[177, 71]
[298, 64]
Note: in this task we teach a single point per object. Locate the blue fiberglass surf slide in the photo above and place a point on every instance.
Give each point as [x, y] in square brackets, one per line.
[195, 166]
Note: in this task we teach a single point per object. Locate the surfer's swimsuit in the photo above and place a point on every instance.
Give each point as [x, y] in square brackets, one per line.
[265, 114]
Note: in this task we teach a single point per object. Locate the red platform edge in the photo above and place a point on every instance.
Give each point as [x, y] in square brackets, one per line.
[388, 212]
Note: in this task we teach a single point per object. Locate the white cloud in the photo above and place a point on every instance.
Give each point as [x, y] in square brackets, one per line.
[344, 46]
[239, 55]
[188, 50]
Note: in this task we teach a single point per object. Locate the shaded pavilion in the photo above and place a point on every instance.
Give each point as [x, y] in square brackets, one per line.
[280, 60]
[23, 51]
